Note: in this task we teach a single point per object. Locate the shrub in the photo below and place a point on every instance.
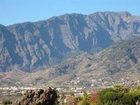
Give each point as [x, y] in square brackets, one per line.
[118, 95]
[6, 102]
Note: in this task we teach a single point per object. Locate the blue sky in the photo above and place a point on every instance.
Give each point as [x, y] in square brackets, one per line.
[15, 11]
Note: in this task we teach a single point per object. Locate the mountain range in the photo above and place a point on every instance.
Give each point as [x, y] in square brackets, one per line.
[33, 46]
[119, 63]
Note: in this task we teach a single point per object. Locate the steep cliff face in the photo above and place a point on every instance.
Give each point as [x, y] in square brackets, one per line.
[30, 46]
[8, 54]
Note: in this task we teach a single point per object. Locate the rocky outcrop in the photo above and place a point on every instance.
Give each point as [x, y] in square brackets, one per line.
[38, 97]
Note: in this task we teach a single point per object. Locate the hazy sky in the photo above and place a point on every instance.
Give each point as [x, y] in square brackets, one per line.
[14, 11]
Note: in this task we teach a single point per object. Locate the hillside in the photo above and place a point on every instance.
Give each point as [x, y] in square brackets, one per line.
[120, 63]
[32, 46]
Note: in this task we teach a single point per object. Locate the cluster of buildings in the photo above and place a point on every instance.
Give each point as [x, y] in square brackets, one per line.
[75, 87]
[14, 90]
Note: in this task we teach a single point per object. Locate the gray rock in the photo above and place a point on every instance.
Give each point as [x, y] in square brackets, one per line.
[31, 46]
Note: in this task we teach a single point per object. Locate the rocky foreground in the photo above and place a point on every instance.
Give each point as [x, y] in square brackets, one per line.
[38, 97]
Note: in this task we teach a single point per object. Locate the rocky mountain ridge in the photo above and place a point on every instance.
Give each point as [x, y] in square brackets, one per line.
[119, 63]
[32, 46]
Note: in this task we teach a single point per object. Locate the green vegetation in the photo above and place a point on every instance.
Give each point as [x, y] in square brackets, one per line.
[6, 102]
[85, 100]
[118, 96]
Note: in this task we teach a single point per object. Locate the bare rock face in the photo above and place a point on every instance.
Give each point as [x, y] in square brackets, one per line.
[38, 97]
[33, 45]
